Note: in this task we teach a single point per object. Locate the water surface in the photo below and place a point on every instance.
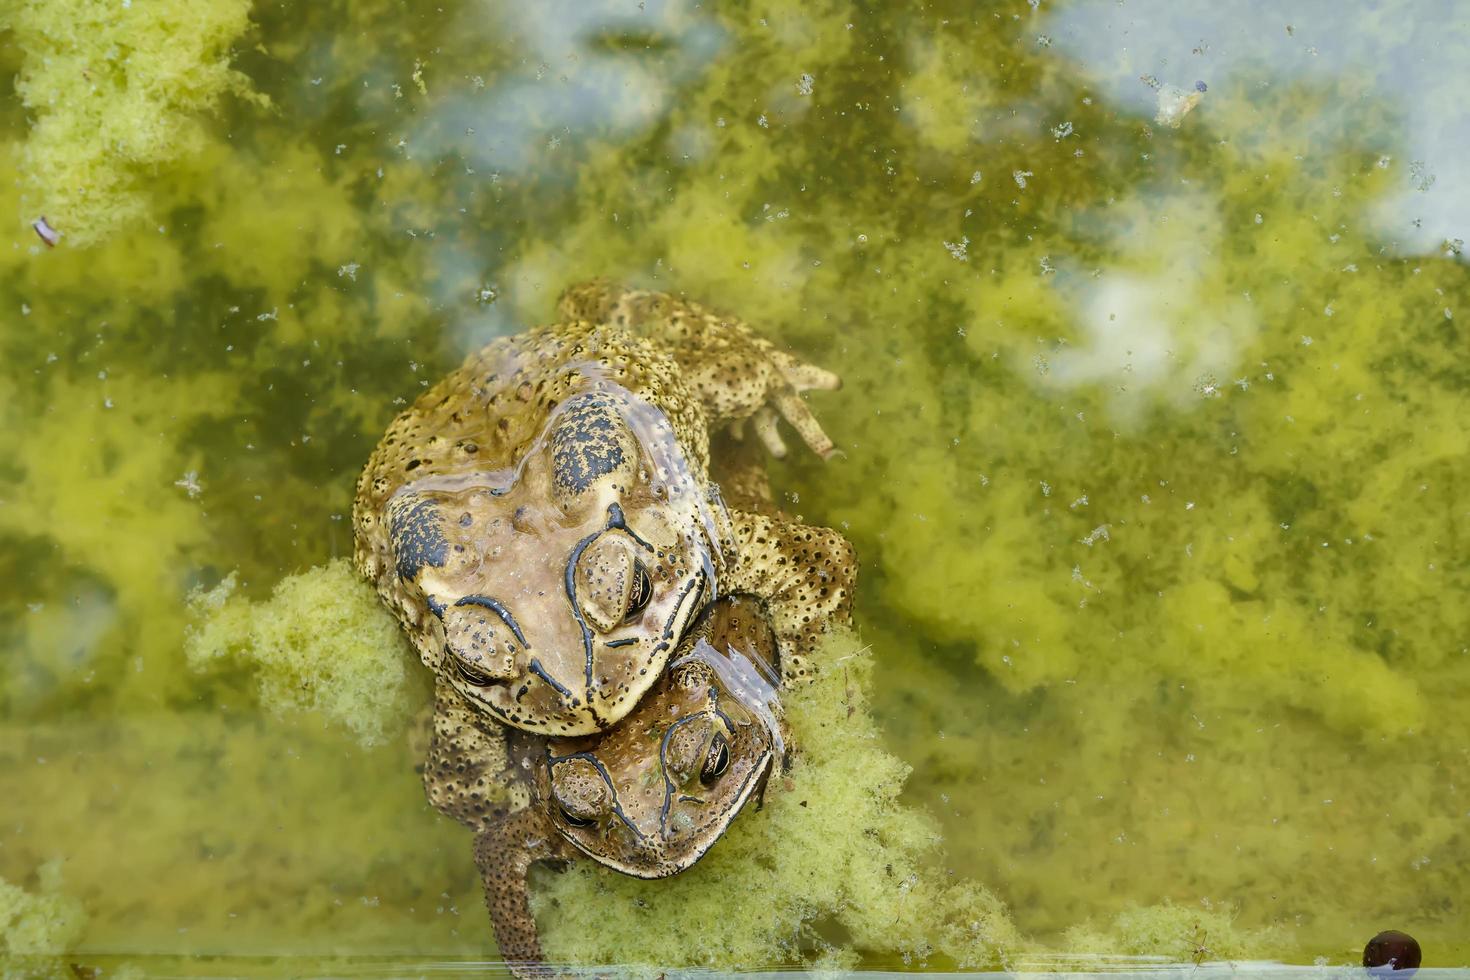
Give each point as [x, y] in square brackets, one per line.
[1152, 322]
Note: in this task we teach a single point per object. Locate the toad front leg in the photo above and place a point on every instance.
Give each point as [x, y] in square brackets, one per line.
[805, 574]
[736, 373]
[468, 775]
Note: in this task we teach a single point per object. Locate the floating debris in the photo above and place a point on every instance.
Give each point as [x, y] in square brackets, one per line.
[48, 234]
[1175, 103]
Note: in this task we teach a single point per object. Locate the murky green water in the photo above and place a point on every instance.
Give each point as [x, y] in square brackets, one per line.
[1152, 321]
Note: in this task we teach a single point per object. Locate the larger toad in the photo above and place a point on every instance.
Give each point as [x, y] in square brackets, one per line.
[542, 521]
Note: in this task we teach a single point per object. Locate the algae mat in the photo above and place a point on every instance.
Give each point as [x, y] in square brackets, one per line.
[1152, 322]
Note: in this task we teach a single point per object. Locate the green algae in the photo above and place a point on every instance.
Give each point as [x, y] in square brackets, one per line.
[842, 864]
[116, 92]
[319, 643]
[37, 928]
[1154, 437]
[1168, 933]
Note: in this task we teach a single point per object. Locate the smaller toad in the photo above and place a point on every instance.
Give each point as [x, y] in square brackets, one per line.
[647, 798]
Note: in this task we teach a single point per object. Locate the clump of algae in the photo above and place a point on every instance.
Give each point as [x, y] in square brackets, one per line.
[36, 927]
[321, 642]
[1168, 932]
[115, 90]
[834, 867]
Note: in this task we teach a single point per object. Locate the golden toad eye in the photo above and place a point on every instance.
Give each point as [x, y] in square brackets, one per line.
[574, 820]
[641, 591]
[716, 761]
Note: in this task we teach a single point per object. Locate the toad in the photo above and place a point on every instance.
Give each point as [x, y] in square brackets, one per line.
[543, 524]
[648, 798]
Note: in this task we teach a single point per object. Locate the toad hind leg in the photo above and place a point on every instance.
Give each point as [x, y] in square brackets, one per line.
[736, 373]
[805, 574]
[504, 853]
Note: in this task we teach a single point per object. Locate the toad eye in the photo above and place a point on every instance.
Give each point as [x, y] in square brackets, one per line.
[575, 820]
[471, 675]
[641, 591]
[716, 761]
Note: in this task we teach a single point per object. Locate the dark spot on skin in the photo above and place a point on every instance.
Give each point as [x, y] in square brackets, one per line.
[416, 536]
[1392, 954]
[585, 445]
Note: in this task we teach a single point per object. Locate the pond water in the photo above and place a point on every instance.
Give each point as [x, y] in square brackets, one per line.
[1151, 318]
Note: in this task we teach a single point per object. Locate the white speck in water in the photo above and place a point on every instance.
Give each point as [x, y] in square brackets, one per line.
[1306, 341]
[1420, 175]
[1045, 489]
[1259, 218]
[1062, 131]
[1174, 103]
[1043, 40]
[959, 249]
[976, 177]
[349, 270]
[763, 122]
[805, 82]
[189, 483]
[1020, 177]
[48, 234]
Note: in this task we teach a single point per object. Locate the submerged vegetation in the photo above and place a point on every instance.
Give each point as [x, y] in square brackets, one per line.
[1154, 450]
